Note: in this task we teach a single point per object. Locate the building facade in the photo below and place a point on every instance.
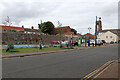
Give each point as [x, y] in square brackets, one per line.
[11, 29]
[107, 36]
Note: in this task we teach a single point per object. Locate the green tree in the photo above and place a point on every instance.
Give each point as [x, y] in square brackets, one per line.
[47, 27]
[73, 30]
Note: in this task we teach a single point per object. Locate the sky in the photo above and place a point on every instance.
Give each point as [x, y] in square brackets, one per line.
[78, 14]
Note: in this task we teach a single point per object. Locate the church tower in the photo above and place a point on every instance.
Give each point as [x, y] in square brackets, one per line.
[98, 27]
[99, 22]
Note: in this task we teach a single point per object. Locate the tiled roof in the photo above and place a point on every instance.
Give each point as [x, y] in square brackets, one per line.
[31, 30]
[12, 28]
[63, 27]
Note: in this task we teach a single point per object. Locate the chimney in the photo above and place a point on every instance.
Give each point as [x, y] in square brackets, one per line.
[32, 27]
[22, 26]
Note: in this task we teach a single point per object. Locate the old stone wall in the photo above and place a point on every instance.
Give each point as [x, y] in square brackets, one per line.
[23, 38]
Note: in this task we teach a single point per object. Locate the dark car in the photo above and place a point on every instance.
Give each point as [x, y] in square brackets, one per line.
[75, 43]
[111, 42]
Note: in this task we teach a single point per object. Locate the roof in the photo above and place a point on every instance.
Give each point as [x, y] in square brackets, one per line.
[11, 27]
[31, 30]
[63, 27]
[115, 31]
[110, 29]
[88, 34]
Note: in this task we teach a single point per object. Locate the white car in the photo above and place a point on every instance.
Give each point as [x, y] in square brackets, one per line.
[92, 41]
[64, 42]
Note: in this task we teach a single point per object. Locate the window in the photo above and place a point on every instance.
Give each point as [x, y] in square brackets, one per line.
[106, 36]
[110, 36]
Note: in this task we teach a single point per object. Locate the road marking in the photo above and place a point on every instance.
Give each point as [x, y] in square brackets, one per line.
[101, 72]
[97, 70]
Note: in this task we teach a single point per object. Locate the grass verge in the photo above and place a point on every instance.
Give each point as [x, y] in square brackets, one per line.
[27, 50]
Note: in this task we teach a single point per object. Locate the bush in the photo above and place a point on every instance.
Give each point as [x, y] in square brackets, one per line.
[55, 46]
[10, 46]
[51, 45]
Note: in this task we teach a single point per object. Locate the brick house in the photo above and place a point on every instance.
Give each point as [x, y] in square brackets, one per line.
[11, 29]
[89, 36]
[66, 32]
[62, 30]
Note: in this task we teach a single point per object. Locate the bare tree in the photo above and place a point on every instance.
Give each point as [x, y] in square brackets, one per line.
[59, 24]
[61, 32]
[7, 21]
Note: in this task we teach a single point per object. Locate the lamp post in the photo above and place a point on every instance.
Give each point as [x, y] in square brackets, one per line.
[95, 30]
[89, 31]
[71, 39]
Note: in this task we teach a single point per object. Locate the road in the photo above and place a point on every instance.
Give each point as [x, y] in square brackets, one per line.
[72, 64]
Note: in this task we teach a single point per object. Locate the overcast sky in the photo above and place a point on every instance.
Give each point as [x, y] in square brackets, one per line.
[78, 14]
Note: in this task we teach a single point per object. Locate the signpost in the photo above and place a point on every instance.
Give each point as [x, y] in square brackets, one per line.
[71, 39]
[79, 42]
[84, 39]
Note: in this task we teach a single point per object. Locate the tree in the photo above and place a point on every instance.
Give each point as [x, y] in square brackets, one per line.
[73, 30]
[60, 33]
[47, 27]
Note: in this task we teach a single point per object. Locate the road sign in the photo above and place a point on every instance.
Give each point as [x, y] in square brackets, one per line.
[84, 39]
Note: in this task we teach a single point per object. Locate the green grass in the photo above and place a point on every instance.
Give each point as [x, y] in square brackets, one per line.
[27, 50]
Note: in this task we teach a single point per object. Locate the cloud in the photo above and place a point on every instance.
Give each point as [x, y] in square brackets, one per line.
[78, 14]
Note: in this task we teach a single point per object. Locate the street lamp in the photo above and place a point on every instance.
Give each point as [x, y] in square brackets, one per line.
[95, 30]
[89, 31]
[71, 39]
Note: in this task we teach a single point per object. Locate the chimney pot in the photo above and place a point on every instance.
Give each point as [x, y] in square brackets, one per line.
[22, 26]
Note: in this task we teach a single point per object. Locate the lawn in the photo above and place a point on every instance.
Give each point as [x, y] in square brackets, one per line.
[27, 50]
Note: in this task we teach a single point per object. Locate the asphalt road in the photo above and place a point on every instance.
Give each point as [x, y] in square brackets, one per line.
[73, 64]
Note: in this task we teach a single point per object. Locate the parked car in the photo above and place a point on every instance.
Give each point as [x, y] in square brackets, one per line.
[92, 42]
[111, 42]
[54, 42]
[103, 41]
[99, 42]
[64, 42]
[75, 43]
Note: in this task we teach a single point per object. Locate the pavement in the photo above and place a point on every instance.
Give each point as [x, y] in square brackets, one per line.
[111, 71]
[69, 64]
